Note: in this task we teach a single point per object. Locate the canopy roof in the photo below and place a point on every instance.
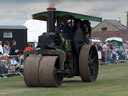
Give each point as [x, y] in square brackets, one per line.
[66, 15]
[114, 38]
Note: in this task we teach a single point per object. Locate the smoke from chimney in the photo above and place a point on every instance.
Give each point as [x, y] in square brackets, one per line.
[53, 3]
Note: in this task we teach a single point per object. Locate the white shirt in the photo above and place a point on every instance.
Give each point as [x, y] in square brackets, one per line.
[1, 49]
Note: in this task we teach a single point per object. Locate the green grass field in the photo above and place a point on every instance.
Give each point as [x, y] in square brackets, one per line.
[112, 81]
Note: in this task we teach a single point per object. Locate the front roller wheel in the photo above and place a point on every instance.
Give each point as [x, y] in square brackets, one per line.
[31, 70]
[88, 63]
[49, 77]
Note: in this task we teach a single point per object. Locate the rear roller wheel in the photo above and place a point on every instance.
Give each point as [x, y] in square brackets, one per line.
[88, 63]
[31, 70]
[49, 77]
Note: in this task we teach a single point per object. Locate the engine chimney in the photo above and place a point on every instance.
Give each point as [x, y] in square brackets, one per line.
[51, 20]
[51, 9]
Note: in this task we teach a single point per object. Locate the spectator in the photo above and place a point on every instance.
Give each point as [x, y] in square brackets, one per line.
[96, 45]
[107, 56]
[6, 48]
[1, 47]
[111, 46]
[120, 52]
[21, 56]
[3, 69]
[115, 56]
[124, 44]
[13, 50]
[22, 59]
[1, 54]
[99, 48]
[126, 51]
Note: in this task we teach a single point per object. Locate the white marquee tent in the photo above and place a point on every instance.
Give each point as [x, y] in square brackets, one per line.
[34, 29]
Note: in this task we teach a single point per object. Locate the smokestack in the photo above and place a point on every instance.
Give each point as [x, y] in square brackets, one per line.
[51, 9]
[51, 20]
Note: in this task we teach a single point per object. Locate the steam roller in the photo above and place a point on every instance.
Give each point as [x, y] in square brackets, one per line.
[61, 55]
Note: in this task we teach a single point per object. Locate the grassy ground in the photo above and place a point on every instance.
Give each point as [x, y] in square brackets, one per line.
[112, 81]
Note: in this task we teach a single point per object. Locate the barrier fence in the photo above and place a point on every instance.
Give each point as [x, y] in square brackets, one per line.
[11, 65]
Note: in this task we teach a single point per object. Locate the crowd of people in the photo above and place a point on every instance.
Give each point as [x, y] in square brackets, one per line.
[108, 54]
[11, 58]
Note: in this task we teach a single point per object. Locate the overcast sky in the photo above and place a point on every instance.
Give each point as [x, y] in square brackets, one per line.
[16, 12]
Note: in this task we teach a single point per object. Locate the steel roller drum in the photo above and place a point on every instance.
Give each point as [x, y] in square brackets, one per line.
[31, 68]
[47, 72]
[88, 63]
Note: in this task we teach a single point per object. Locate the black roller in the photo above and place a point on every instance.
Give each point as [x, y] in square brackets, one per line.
[88, 63]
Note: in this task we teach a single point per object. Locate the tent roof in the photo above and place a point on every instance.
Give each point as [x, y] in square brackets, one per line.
[34, 29]
[66, 15]
[114, 38]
